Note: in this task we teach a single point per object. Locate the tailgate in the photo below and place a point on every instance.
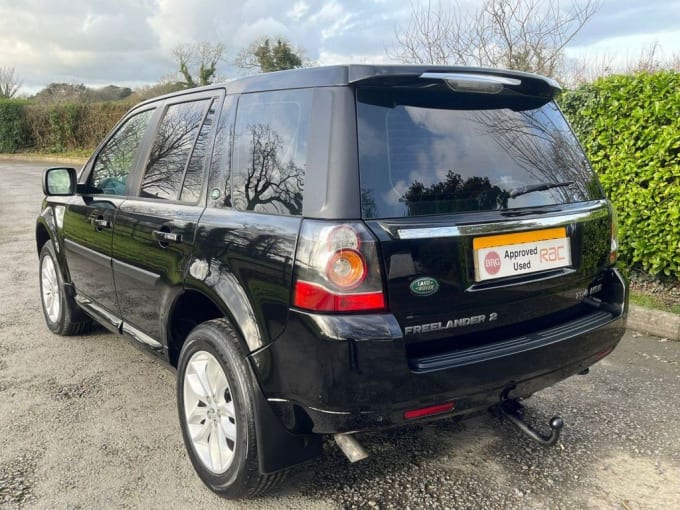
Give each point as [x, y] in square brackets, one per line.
[438, 287]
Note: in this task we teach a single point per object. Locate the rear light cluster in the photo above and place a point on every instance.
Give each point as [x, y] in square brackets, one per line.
[614, 246]
[337, 269]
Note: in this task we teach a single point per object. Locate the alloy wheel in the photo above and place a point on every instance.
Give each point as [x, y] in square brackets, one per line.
[209, 412]
[50, 291]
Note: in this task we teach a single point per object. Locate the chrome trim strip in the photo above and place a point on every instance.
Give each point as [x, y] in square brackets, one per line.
[600, 210]
[140, 337]
[329, 412]
[101, 313]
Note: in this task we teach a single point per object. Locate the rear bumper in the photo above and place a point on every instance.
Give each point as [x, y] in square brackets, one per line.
[350, 373]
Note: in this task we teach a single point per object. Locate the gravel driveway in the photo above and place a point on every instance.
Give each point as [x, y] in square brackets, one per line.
[90, 422]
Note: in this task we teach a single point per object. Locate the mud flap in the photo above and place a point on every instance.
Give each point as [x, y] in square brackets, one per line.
[278, 448]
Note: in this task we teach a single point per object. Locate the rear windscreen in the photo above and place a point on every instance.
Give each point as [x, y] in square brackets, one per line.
[433, 151]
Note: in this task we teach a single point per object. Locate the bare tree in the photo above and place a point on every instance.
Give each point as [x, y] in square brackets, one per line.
[9, 83]
[589, 67]
[198, 62]
[525, 35]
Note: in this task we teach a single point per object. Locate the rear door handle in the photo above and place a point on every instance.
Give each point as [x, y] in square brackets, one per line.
[167, 237]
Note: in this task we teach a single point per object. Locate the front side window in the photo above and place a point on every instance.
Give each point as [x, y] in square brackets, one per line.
[116, 159]
[270, 151]
[171, 149]
[432, 151]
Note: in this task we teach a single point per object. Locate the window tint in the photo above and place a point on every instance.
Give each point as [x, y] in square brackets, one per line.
[434, 153]
[270, 151]
[115, 160]
[219, 186]
[193, 179]
[171, 149]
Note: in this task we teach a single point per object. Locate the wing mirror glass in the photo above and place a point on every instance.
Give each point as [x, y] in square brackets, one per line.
[59, 181]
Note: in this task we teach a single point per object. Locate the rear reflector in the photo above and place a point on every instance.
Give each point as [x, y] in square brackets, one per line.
[429, 411]
[311, 296]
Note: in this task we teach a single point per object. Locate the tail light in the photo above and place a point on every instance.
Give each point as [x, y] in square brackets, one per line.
[614, 246]
[337, 269]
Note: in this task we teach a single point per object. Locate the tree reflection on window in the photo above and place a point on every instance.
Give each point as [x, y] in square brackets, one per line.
[114, 162]
[454, 194]
[270, 151]
[171, 149]
[269, 183]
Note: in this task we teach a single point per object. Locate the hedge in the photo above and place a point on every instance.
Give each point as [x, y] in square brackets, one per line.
[13, 133]
[630, 129]
[26, 126]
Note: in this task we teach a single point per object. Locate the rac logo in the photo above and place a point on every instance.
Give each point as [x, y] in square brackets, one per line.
[492, 262]
[552, 254]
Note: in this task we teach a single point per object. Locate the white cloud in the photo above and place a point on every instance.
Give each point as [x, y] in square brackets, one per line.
[100, 41]
[299, 10]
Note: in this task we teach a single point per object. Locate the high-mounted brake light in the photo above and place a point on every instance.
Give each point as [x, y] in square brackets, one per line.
[476, 83]
[337, 269]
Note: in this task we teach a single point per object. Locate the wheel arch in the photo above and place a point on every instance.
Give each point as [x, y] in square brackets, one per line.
[42, 236]
[46, 231]
[200, 303]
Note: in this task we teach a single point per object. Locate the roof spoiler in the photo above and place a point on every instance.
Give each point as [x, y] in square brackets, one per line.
[459, 79]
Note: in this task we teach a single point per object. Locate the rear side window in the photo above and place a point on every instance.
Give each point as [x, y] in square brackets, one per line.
[433, 151]
[171, 149]
[270, 151]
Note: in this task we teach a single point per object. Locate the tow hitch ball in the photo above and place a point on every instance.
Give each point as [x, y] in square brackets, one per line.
[514, 411]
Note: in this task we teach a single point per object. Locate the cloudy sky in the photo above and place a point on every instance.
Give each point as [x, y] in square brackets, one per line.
[130, 42]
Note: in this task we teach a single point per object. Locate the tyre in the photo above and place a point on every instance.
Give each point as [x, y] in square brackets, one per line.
[62, 314]
[215, 398]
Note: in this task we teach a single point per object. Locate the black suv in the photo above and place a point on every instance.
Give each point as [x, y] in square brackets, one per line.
[341, 249]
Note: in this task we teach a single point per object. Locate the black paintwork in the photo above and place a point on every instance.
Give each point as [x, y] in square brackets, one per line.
[132, 261]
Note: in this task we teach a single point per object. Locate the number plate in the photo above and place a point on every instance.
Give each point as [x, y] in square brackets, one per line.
[521, 253]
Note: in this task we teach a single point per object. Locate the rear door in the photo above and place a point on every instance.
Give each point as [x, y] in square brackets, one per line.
[450, 185]
[153, 234]
[88, 219]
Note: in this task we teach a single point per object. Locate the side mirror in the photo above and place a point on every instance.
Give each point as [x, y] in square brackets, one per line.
[59, 181]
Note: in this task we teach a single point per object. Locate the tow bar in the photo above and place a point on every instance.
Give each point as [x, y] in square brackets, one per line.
[514, 411]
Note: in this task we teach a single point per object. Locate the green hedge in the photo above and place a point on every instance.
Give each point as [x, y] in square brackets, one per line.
[70, 126]
[26, 126]
[630, 128]
[13, 133]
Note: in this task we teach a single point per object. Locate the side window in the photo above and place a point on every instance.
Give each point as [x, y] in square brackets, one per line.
[219, 186]
[114, 162]
[193, 178]
[171, 149]
[270, 151]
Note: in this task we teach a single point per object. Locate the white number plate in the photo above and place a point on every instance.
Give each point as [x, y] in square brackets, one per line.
[521, 253]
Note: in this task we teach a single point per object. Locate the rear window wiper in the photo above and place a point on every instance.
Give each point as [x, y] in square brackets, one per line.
[523, 190]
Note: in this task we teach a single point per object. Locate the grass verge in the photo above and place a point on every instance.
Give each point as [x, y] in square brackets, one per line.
[637, 298]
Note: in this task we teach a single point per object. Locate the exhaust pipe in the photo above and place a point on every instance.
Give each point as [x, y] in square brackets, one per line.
[350, 447]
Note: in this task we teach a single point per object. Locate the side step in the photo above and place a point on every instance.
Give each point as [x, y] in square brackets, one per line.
[514, 411]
